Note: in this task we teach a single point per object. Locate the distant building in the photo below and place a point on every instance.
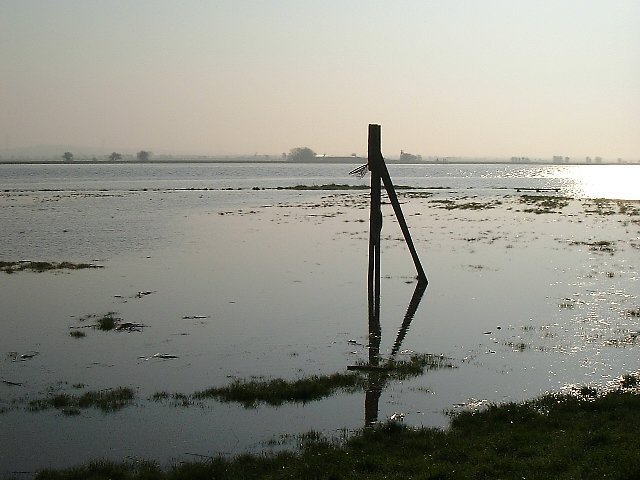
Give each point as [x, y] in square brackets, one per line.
[409, 158]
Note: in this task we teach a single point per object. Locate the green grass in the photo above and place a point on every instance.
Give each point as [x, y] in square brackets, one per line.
[39, 267]
[555, 436]
[277, 391]
[105, 400]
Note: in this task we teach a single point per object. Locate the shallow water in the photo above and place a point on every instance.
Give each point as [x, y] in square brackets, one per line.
[521, 303]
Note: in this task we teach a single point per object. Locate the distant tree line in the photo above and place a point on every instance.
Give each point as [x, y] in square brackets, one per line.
[141, 156]
[301, 154]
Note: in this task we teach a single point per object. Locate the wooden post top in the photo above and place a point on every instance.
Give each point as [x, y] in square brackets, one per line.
[375, 149]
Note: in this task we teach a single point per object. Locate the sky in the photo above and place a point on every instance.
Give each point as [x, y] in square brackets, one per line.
[470, 78]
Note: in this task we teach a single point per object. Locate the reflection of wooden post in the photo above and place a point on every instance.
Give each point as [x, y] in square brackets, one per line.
[374, 390]
[408, 317]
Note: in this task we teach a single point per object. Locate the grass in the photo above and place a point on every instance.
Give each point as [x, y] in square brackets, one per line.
[544, 203]
[555, 436]
[108, 321]
[598, 246]
[105, 400]
[338, 186]
[276, 392]
[448, 204]
[39, 267]
[111, 321]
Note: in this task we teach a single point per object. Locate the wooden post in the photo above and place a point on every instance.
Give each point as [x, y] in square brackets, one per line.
[375, 226]
[380, 174]
[379, 169]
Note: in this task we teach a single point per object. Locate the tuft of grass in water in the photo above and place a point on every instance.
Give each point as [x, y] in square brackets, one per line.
[598, 246]
[544, 203]
[77, 334]
[600, 206]
[633, 312]
[554, 436]
[448, 204]
[329, 186]
[276, 392]
[104, 400]
[517, 346]
[39, 267]
[108, 321]
[340, 186]
[417, 364]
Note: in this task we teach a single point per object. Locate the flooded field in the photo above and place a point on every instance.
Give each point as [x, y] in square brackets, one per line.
[199, 288]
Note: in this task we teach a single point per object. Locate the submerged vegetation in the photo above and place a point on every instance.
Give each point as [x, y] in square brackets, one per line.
[582, 435]
[39, 267]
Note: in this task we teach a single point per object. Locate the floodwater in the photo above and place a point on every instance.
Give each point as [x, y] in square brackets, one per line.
[233, 282]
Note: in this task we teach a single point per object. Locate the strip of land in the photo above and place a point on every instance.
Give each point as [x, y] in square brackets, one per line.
[581, 435]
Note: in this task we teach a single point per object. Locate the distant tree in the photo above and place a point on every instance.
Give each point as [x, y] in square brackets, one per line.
[301, 154]
[115, 157]
[143, 155]
[67, 156]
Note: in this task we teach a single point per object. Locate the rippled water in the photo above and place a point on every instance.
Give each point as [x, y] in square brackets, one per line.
[591, 181]
[274, 283]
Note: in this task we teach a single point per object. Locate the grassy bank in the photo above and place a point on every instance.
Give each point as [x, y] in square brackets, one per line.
[568, 436]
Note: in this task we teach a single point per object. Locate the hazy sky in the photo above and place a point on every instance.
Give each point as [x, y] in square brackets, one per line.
[442, 77]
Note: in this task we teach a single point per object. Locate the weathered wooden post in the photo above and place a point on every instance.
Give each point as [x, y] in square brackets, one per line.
[379, 172]
[375, 226]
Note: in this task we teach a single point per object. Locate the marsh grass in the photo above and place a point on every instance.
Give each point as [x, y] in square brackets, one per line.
[633, 312]
[554, 436]
[340, 186]
[598, 246]
[449, 204]
[276, 392]
[105, 400]
[39, 267]
[542, 204]
[108, 321]
[111, 321]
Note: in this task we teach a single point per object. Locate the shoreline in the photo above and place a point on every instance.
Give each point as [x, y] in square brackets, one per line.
[584, 434]
[354, 161]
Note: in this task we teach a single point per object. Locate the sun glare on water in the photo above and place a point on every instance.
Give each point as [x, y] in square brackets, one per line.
[620, 182]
